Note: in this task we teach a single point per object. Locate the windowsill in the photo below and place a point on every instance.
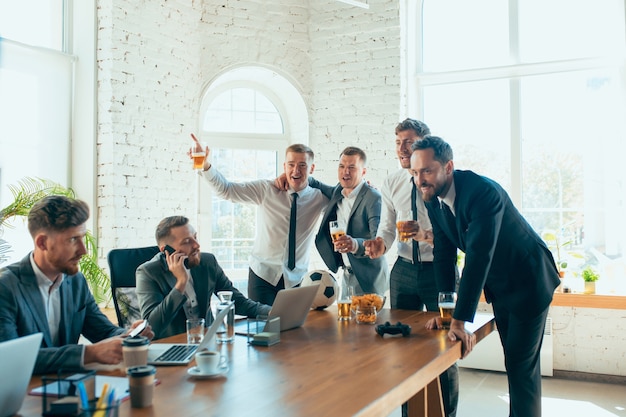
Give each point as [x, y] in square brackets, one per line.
[617, 302]
[589, 301]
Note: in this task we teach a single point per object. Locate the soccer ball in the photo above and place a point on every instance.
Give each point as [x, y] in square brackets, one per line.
[327, 291]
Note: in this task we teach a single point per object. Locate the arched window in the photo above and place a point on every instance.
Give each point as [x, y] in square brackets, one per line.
[531, 93]
[248, 117]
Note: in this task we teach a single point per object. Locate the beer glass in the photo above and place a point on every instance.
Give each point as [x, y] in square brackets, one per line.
[344, 301]
[447, 303]
[336, 230]
[404, 221]
[198, 153]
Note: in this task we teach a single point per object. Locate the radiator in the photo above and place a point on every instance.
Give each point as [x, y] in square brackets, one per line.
[488, 355]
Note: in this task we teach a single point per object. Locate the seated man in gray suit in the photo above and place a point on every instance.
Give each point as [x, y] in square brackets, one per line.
[171, 290]
[45, 292]
[355, 205]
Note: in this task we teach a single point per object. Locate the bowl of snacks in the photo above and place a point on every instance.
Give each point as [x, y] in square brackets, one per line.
[367, 300]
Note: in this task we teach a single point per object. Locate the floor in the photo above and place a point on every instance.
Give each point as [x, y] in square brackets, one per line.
[485, 394]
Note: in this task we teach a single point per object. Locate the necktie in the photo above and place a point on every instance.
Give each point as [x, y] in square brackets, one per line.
[291, 263]
[450, 219]
[416, 249]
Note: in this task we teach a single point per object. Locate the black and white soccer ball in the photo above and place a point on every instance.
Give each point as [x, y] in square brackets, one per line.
[327, 291]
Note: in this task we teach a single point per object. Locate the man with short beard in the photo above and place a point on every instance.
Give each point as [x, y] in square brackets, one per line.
[170, 290]
[45, 292]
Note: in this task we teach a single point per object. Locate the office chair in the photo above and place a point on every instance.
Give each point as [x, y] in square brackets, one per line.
[122, 266]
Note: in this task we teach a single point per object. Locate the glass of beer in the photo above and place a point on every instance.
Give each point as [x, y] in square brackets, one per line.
[198, 154]
[404, 223]
[336, 230]
[447, 303]
[344, 302]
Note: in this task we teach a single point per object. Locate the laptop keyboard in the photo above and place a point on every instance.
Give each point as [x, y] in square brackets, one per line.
[177, 353]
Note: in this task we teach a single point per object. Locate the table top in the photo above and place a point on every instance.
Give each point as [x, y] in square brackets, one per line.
[325, 367]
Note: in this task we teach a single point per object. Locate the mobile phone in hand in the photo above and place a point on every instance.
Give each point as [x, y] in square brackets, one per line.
[137, 330]
[171, 250]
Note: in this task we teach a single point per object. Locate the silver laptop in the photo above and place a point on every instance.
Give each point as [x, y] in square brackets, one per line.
[17, 368]
[292, 306]
[180, 353]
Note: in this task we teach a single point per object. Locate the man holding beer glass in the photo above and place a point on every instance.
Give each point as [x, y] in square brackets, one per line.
[356, 206]
[281, 252]
[412, 281]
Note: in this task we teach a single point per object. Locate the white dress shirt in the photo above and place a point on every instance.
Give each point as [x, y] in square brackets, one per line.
[51, 299]
[396, 195]
[270, 251]
[344, 208]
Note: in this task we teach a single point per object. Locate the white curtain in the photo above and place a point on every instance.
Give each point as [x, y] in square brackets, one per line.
[35, 122]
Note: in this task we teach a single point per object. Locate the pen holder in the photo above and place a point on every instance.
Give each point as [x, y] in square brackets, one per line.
[60, 394]
[104, 411]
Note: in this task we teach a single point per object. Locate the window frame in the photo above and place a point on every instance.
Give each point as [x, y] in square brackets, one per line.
[417, 80]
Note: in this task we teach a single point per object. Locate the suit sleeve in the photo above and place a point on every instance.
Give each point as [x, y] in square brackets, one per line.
[482, 219]
[326, 189]
[243, 305]
[156, 305]
[373, 220]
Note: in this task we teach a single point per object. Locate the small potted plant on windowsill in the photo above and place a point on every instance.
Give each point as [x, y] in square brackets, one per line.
[590, 276]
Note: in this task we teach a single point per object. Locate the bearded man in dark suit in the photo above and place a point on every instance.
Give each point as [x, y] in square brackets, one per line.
[504, 257]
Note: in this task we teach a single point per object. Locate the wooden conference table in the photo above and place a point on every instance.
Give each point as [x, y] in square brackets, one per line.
[325, 368]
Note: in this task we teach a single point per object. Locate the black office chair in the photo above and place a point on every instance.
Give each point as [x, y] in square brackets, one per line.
[122, 266]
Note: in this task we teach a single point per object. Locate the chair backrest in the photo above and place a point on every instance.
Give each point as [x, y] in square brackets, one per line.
[122, 266]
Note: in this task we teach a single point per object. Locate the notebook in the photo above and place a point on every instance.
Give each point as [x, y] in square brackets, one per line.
[16, 371]
[292, 306]
[180, 353]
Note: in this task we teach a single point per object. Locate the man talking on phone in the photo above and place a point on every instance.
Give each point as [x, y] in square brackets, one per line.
[178, 282]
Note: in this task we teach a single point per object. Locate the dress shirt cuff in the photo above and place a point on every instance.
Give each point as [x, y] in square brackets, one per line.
[82, 357]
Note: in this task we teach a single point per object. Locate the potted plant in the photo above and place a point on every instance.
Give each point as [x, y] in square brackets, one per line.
[552, 240]
[590, 276]
[25, 195]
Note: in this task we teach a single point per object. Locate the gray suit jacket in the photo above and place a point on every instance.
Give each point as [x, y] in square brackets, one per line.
[162, 305]
[372, 274]
[22, 313]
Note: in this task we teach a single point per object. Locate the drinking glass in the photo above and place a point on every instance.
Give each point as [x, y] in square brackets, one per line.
[404, 220]
[336, 230]
[447, 303]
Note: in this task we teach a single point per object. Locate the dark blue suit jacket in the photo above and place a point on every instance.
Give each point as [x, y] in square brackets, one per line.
[22, 313]
[503, 254]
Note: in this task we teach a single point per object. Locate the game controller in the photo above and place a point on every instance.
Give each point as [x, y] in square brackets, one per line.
[393, 329]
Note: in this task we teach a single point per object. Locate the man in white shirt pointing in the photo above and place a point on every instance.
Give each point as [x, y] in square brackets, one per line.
[276, 264]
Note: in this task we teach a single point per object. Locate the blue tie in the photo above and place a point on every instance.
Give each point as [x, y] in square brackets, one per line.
[291, 262]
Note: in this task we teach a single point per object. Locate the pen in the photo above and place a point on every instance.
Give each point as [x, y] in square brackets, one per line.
[99, 412]
[111, 402]
[82, 392]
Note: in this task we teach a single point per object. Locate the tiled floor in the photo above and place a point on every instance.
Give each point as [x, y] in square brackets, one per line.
[485, 394]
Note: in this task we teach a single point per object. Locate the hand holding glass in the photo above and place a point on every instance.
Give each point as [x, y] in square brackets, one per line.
[336, 231]
[198, 154]
[407, 227]
[447, 304]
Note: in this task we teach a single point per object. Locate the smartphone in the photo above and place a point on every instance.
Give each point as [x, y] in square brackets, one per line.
[171, 250]
[138, 329]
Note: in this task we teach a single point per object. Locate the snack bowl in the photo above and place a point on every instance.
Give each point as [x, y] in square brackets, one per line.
[366, 300]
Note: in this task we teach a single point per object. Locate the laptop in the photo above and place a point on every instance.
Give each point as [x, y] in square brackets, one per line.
[292, 306]
[17, 368]
[182, 353]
